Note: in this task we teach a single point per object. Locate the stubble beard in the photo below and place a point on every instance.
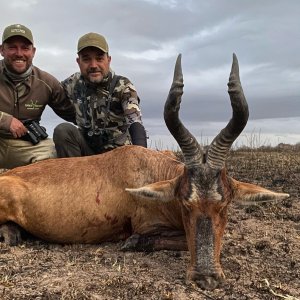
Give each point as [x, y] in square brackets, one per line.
[16, 68]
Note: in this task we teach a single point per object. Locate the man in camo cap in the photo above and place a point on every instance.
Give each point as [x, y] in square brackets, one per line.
[108, 113]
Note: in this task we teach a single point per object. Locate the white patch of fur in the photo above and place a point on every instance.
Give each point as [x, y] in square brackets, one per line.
[194, 194]
[212, 194]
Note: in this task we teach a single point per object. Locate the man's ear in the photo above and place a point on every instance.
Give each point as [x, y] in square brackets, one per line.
[1, 50]
[108, 57]
[33, 50]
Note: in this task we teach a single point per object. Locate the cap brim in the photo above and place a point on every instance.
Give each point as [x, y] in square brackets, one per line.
[94, 46]
[12, 35]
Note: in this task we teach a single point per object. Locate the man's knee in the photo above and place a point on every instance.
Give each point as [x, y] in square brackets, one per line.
[62, 132]
[69, 142]
[44, 150]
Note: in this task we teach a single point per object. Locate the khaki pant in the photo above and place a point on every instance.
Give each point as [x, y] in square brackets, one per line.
[16, 152]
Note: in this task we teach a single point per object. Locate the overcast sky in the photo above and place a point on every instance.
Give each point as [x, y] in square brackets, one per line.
[145, 37]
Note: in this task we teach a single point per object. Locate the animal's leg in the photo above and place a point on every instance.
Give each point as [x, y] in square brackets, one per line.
[169, 240]
[10, 233]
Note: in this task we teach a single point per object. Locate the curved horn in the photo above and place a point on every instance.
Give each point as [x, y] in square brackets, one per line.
[220, 146]
[191, 150]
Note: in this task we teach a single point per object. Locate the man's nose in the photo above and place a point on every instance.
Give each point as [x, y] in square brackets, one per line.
[19, 52]
[93, 63]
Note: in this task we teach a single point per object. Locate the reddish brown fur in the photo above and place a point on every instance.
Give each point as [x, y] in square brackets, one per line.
[58, 200]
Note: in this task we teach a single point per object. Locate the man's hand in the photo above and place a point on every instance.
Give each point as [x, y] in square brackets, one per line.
[17, 128]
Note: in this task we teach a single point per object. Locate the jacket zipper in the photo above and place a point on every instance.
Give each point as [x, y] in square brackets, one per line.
[16, 103]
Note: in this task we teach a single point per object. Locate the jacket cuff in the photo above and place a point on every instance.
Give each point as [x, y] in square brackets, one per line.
[5, 120]
[138, 134]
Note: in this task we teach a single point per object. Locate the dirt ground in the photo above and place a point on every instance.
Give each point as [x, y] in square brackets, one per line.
[260, 256]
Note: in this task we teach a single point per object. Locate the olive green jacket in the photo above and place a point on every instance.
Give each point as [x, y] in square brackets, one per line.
[28, 99]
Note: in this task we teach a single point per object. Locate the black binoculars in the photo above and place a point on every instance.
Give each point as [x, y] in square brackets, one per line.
[35, 133]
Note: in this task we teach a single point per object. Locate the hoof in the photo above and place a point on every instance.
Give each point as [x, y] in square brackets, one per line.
[10, 234]
[131, 243]
[139, 243]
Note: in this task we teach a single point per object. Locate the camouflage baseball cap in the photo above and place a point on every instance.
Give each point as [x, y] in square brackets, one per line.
[17, 30]
[92, 40]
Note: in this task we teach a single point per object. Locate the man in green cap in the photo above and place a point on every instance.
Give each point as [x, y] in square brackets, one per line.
[25, 90]
[108, 113]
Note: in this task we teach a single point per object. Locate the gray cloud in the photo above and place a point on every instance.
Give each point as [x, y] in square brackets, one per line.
[145, 37]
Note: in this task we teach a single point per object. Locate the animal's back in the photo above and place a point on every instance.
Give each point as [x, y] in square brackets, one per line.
[84, 199]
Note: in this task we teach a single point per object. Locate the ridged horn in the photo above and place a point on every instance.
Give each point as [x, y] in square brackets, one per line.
[190, 148]
[220, 146]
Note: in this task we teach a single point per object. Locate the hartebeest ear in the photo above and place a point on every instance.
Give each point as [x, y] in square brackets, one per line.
[161, 190]
[247, 193]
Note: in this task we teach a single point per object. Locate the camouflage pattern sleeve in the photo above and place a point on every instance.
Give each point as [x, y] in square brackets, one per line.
[73, 88]
[130, 102]
[69, 84]
[59, 101]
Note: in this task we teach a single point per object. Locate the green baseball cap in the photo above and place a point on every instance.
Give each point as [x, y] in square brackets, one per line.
[17, 30]
[92, 40]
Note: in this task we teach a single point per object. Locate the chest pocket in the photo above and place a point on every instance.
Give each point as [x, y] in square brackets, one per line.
[99, 111]
[103, 109]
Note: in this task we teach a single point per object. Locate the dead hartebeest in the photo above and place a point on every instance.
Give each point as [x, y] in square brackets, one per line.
[151, 199]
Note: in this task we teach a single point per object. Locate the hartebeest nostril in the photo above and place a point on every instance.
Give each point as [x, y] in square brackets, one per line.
[204, 281]
[209, 282]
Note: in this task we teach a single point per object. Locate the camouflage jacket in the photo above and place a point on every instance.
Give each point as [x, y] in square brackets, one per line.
[97, 114]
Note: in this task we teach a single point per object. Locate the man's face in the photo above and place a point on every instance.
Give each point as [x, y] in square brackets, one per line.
[94, 64]
[18, 54]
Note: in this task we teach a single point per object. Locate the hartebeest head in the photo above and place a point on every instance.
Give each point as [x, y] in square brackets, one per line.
[204, 190]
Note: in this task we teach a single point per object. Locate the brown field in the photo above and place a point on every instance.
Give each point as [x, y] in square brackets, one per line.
[260, 257]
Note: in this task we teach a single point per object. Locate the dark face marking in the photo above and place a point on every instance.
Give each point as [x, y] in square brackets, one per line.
[205, 245]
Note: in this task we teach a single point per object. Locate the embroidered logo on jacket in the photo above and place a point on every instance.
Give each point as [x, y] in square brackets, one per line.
[33, 105]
